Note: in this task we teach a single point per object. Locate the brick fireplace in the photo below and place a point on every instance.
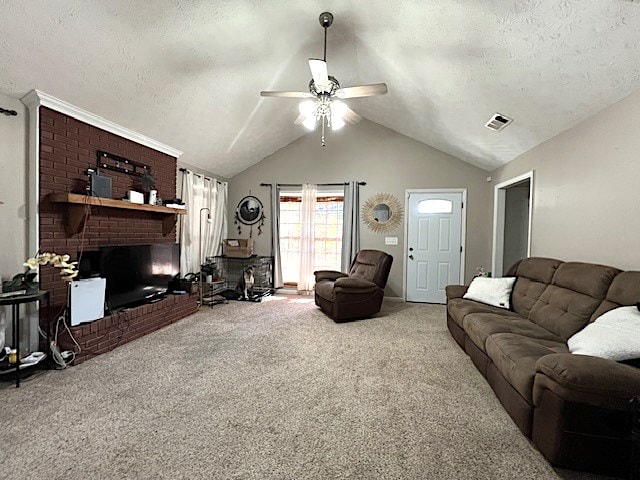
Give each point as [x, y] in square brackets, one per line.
[67, 149]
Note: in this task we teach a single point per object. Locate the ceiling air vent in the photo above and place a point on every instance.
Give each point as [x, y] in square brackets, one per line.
[498, 122]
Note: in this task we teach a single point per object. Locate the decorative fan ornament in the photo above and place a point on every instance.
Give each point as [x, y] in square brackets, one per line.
[250, 212]
[323, 104]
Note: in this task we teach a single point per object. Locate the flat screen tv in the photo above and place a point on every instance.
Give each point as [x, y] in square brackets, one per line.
[137, 274]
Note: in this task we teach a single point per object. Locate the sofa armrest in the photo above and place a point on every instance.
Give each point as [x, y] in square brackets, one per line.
[584, 379]
[455, 291]
[328, 275]
[354, 285]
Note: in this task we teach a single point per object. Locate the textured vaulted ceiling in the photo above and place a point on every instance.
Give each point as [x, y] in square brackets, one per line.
[189, 73]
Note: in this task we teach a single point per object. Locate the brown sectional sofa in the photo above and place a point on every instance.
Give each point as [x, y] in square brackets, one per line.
[575, 408]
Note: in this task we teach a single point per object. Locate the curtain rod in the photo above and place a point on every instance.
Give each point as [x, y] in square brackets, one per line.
[319, 184]
[8, 113]
[199, 175]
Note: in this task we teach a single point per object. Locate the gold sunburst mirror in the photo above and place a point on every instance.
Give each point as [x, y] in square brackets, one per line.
[382, 213]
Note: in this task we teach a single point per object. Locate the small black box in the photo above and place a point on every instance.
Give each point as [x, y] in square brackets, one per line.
[99, 186]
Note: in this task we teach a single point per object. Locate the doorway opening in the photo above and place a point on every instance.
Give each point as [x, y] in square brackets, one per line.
[513, 206]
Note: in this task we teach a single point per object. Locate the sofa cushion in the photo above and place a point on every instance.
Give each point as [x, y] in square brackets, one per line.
[459, 308]
[624, 291]
[479, 326]
[568, 303]
[515, 356]
[588, 278]
[534, 274]
[526, 293]
[538, 269]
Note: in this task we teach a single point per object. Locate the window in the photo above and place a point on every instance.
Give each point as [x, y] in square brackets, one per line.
[435, 206]
[328, 238]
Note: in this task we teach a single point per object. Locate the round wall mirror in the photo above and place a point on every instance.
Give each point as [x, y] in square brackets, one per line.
[382, 213]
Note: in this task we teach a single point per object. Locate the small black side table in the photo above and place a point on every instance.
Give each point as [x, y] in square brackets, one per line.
[635, 439]
[15, 303]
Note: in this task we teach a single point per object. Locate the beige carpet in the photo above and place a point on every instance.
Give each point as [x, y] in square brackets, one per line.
[271, 390]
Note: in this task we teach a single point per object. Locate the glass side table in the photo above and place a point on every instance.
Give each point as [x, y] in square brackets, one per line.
[635, 439]
[15, 302]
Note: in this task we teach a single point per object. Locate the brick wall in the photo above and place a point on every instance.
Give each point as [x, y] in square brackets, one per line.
[103, 335]
[67, 149]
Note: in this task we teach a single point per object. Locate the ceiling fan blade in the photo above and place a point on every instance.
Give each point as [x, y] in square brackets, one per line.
[286, 94]
[351, 117]
[362, 91]
[319, 73]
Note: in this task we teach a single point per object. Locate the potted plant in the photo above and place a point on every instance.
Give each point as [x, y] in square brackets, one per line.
[26, 281]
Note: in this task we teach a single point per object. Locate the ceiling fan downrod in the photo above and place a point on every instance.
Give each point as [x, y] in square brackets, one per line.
[326, 19]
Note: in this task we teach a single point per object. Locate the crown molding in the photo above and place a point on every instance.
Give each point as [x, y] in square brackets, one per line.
[36, 98]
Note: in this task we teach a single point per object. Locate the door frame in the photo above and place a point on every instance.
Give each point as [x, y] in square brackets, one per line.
[463, 230]
[499, 205]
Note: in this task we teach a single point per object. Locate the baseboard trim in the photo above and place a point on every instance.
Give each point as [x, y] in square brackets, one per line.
[394, 299]
[293, 291]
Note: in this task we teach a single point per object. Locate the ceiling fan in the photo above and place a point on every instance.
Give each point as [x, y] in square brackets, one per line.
[323, 100]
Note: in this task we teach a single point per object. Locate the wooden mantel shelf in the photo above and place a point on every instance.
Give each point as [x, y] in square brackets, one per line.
[77, 210]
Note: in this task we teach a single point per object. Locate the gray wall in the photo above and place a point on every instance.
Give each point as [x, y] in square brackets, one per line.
[13, 213]
[586, 200]
[389, 162]
[13, 188]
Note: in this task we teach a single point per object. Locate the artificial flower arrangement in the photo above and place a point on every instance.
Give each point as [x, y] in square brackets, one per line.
[25, 281]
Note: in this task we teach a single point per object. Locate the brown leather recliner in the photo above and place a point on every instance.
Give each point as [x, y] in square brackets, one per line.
[357, 294]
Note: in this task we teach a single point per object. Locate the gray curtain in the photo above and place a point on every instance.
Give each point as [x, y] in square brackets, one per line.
[350, 224]
[275, 236]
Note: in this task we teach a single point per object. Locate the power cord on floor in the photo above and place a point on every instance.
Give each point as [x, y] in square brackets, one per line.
[65, 358]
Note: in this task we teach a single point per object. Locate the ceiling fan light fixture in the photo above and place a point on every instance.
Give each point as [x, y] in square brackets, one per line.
[321, 104]
[336, 123]
[307, 108]
[310, 122]
[338, 109]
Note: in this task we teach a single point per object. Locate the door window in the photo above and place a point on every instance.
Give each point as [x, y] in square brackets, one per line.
[435, 205]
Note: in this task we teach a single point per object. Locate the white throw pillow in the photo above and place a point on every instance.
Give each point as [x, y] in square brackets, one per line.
[614, 335]
[492, 291]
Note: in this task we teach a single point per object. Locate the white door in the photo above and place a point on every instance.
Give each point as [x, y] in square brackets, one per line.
[434, 245]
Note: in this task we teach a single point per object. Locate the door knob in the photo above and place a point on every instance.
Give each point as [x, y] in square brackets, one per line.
[411, 249]
[411, 257]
